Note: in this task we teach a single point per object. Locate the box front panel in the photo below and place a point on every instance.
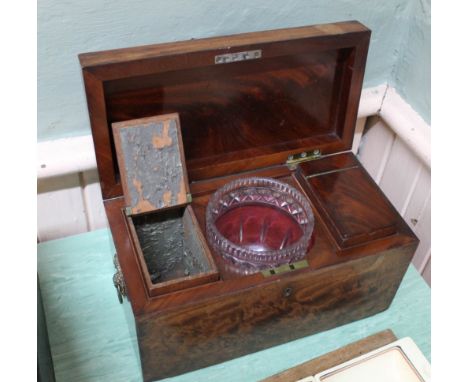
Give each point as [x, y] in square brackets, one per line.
[225, 327]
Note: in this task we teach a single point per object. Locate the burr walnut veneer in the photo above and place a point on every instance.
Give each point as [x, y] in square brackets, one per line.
[279, 104]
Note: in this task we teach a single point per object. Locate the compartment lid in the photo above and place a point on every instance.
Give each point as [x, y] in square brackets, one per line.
[245, 101]
[151, 162]
[353, 206]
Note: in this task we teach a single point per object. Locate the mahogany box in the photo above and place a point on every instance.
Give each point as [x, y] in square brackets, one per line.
[174, 122]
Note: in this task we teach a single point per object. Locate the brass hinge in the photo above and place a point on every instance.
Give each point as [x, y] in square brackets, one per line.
[305, 156]
[285, 268]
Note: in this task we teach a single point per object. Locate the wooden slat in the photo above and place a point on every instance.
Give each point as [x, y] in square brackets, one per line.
[418, 217]
[360, 125]
[411, 190]
[427, 271]
[334, 358]
[423, 231]
[60, 207]
[418, 199]
[375, 147]
[399, 174]
[92, 198]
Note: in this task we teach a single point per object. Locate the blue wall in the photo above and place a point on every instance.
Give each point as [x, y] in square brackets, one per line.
[412, 75]
[67, 28]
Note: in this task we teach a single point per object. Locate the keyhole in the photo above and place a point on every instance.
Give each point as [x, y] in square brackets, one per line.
[287, 292]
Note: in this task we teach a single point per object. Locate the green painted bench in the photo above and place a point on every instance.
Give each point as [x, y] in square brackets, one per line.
[91, 337]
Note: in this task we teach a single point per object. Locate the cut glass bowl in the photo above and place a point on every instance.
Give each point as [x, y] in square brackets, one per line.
[259, 223]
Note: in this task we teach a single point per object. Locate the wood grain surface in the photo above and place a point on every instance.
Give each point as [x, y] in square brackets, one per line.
[353, 206]
[229, 326]
[336, 357]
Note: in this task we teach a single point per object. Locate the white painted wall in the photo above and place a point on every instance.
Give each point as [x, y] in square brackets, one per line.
[68, 205]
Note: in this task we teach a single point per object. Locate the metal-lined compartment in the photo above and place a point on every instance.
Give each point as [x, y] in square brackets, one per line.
[172, 250]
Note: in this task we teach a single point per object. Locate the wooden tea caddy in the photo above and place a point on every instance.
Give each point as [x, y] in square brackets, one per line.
[280, 104]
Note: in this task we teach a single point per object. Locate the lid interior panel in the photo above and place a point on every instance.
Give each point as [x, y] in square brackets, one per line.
[301, 94]
[230, 111]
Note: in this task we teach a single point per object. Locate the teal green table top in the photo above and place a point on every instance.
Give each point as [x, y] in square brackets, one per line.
[92, 339]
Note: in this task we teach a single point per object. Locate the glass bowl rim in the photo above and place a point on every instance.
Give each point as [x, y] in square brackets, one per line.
[264, 182]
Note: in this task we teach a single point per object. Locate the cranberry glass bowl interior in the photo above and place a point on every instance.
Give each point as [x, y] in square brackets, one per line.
[259, 223]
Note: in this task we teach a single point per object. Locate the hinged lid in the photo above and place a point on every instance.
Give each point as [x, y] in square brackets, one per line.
[151, 162]
[245, 101]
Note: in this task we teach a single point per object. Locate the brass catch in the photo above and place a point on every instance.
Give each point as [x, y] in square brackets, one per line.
[119, 282]
[305, 156]
[238, 56]
[285, 268]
